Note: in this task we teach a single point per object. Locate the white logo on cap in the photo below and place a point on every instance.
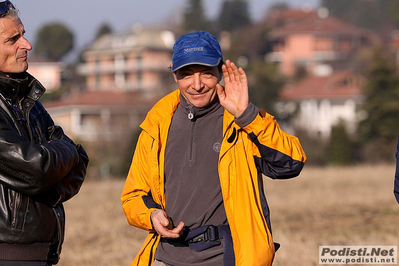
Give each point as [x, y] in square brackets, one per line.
[194, 49]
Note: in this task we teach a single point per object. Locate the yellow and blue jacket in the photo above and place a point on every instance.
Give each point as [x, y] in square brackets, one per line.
[246, 153]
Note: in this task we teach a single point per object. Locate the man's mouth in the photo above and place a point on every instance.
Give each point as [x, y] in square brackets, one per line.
[23, 57]
[197, 95]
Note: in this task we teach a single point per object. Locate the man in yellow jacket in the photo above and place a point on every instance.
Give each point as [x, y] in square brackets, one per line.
[195, 182]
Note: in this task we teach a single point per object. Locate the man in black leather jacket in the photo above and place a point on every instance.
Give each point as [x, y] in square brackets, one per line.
[40, 167]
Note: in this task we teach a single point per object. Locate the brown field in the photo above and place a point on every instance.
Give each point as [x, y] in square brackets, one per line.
[323, 206]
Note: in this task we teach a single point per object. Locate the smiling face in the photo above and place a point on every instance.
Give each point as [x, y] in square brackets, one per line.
[13, 46]
[197, 83]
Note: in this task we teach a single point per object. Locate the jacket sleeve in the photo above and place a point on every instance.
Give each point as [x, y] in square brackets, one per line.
[396, 183]
[137, 198]
[278, 155]
[69, 185]
[32, 168]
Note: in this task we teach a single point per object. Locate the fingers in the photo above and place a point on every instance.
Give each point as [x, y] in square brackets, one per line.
[243, 76]
[178, 229]
[220, 90]
[172, 233]
[228, 71]
[234, 96]
[163, 225]
[232, 73]
[160, 216]
[225, 73]
[229, 67]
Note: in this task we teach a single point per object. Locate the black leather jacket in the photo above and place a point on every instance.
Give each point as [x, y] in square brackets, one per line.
[40, 167]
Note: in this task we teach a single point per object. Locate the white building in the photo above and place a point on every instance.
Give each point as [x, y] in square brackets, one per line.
[125, 72]
[318, 103]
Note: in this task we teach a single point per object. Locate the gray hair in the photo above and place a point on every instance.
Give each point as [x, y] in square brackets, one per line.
[12, 13]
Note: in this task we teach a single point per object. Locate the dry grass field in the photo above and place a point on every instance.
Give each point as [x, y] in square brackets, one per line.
[323, 206]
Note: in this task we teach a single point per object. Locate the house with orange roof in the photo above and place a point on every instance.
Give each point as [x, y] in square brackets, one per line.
[133, 60]
[321, 48]
[125, 72]
[313, 42]
[100, 115]
[317, 103]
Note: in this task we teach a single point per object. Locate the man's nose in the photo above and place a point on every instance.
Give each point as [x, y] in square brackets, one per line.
[197, 82]
[26, 44]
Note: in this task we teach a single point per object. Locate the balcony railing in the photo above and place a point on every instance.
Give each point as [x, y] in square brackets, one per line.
[85, 69]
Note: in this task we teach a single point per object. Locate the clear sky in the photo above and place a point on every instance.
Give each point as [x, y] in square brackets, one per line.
[84, 17]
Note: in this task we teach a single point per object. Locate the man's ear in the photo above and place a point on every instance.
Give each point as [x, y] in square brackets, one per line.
[174, 74]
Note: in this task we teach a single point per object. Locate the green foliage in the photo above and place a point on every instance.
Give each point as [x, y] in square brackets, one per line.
[264, 84]
[194, 18]
[279, 5]
[341, 148]
[251, 42]
[393, 13]
[103, 30]
[54, 41]
[234, 15]
[126, 161]
[362, 13]
[380, 128]
[112, 158]
[314, 148]
[52, 95]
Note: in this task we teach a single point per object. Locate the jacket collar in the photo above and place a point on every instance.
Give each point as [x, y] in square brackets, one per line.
[163, 111]
[19, 86]
[198, 111]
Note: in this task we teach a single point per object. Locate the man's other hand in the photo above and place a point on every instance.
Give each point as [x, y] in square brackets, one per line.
[163, 225]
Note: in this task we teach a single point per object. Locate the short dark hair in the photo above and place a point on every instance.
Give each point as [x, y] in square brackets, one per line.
[221, 63]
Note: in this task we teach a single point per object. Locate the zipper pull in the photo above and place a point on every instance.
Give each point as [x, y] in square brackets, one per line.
[190, 112]
[190, 115]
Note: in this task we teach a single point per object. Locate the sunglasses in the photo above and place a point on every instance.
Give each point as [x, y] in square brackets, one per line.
[4, 7]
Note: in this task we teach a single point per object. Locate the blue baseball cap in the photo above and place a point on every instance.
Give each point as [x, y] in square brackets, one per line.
[196, 48]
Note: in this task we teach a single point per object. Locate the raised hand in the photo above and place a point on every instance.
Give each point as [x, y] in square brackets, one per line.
[234, 95]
